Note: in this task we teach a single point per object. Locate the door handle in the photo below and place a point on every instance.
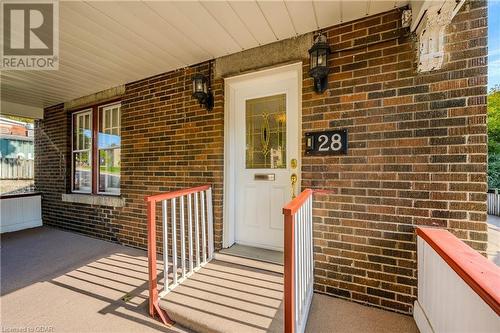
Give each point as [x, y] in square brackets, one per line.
[293, 179]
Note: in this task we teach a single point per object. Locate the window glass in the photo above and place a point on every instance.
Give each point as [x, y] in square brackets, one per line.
[81, 154]
[82, 171]
[105, 152]
[109, 143]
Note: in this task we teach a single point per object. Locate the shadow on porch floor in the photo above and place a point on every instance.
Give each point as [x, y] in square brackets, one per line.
[65, 282]
[74, 283]
[226, 297]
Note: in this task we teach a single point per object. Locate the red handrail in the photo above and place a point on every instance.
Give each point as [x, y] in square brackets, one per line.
[176, 194]
[293, 206]
[154, 307]
[482, 275]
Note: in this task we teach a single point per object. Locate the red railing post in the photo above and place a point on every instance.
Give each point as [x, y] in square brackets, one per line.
[289, 291]
[154, 307]
[289, 272]
[153, 283]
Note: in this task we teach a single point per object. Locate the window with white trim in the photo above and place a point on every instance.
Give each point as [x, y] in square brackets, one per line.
[96, 149]
[109, 149]
[82, 151]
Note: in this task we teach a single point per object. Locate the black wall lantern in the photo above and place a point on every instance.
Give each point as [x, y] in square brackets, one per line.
[202, 91]
[318, 69]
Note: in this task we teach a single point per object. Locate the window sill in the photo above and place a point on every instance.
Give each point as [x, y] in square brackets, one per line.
[96, 200]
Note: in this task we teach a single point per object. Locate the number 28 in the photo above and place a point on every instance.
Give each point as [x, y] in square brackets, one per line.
[334, 143]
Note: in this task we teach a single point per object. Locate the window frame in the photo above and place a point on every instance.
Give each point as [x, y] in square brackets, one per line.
[74, 115]
[100, 109]
[94, 149]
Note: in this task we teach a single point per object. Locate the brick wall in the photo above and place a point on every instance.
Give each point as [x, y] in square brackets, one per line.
[168, 142]
[417, 155]
[53, 178]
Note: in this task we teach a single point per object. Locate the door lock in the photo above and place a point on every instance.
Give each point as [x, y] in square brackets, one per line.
[293, 179]
[293, 163]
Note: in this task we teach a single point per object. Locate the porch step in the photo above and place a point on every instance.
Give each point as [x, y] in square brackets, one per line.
[226, 297]
[256, 253]
[248, 262]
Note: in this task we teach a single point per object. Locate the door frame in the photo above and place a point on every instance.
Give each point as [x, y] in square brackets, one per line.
[229, 211]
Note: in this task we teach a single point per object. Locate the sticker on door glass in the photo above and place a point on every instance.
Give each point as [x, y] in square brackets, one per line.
[265, 131]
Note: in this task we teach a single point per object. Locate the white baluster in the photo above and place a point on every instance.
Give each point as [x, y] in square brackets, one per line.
[299, 261]
[308, 245]
[210, 221]
[183, 239]
[296, 282]
[305, 268]
[301, 264]
[190, 233]
[203, 225]
[165, 244]
[309, 240]
[174, 244]
[196, 229]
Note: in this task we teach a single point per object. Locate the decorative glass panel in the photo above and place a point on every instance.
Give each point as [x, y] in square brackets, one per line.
[266, 132]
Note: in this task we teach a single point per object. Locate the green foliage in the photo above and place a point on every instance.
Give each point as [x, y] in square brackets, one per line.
[494, 138]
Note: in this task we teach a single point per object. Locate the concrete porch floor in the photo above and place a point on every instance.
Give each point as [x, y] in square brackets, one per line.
[71, 283]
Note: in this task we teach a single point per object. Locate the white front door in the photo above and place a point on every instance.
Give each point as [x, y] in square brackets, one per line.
[264, 152]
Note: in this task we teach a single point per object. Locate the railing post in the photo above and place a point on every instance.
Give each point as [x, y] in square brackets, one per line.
[164, 216]
[196, 229]
[289, 272]
[183, 238]
[174, 243]
[299, 261]
[496, 210]
[210, 224]
[203, 226]
[153, 283]
[154, 308]
[190, 233]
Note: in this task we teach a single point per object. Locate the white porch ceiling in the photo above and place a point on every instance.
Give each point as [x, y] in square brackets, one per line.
[105, 44]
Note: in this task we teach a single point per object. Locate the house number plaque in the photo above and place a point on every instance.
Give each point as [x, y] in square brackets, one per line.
[326, 142]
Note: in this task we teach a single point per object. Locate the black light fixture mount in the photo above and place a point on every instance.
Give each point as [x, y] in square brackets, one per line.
[202, 90]
[318, 67]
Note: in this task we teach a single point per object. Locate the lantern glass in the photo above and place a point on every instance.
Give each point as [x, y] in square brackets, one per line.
[314, 59]
[198, 84]
[322, 53]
